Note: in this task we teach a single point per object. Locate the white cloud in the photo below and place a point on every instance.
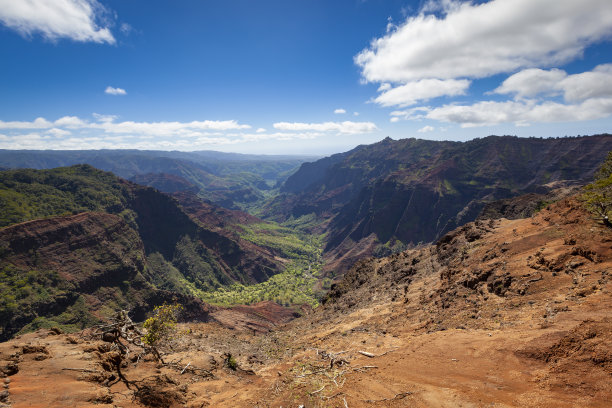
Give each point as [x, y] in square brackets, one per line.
[410, 114]
[340, 111]
[355, 113]
[284, 136]
[532, 82]
[126, 29]
[426, 129]
[55, 19]
[521, 113]
[384, 87]
[587, 96]
[104, 118]
[412, 92]
[587, 85]
[575, 88]
[105, 132]
[58, 132]
[107, 124]
[346, 127]
[70, 122]
[115, 91]
[167, 128]
[38, 123]
[480, 40]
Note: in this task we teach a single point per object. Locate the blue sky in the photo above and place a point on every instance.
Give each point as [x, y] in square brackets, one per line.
[299, 76]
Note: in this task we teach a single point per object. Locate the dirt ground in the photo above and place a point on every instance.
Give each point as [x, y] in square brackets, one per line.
[501, 314]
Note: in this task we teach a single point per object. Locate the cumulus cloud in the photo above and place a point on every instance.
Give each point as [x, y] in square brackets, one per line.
[521, 113]
[346, 127]
[72, 122]
[340, 111]
[38, 123]
[412, 92]
[107, 124]
[105, 132]
[532, 82]
[575, 88]
[410, 114]
[58, 132]
[587, 85]
[426, 129]
[587, 96]
[105, 118]
[167, 128]
[449, 44]
[54, 19]
[480, 40]
[115, 91]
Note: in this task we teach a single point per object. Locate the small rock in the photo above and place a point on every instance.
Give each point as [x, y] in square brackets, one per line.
[4, 395]
[11, 368]
[41, 356]
[54, 331]
[31, 349]
[7, 380]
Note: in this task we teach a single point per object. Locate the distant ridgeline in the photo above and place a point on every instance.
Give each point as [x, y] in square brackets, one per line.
[232, 180]
[78, 243]
[399, 193]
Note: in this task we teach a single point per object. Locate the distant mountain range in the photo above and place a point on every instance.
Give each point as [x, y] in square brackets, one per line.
[228, 179]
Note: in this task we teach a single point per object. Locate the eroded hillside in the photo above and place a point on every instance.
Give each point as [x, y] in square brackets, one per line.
[507, 313]
[78, 243]
[395, 194]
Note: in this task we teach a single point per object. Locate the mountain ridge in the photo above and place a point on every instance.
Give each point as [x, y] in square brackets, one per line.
[397, 194]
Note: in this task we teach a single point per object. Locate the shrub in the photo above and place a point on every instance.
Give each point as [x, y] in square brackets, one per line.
[598, 195]
[161, 327]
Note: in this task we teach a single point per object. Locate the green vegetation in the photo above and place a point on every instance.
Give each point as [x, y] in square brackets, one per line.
[161, 327]
[74, 318]
[389, 248]
[283, 241]
[32, 194]
[198, 265]
[598, 195]
[42, 300]
[295, 285]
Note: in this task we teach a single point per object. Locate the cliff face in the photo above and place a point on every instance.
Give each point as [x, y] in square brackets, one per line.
[70, 270]
[412, 191]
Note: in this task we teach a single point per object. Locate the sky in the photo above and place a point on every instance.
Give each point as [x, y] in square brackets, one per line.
[299, 76]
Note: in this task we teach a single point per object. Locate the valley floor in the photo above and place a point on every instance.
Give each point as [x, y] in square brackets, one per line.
[499, 314]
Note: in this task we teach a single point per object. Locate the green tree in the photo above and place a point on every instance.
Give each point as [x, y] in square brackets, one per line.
[598, 195]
